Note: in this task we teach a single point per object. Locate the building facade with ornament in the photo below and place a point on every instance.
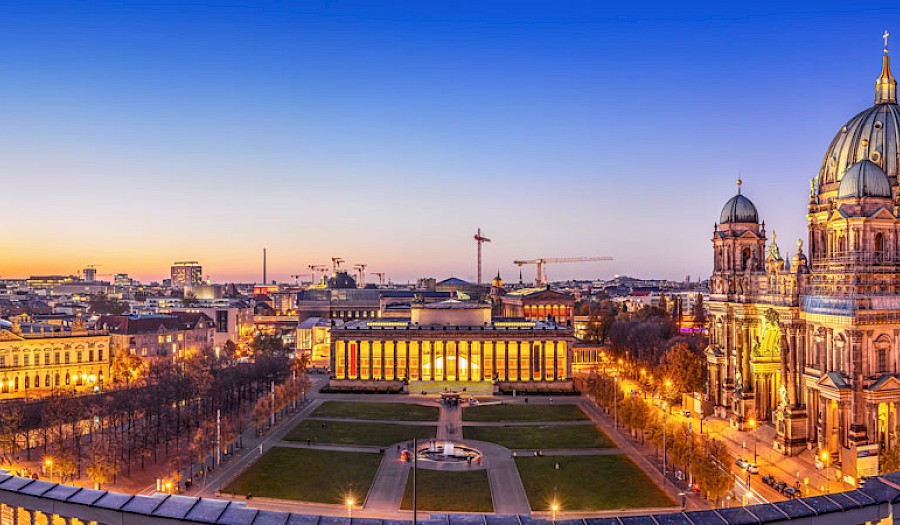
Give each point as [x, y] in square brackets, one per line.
[810, 341]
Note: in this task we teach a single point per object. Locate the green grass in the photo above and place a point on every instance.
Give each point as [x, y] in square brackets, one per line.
[451, 491]
[588, 483]
[524, 413]
[308, 475]
[541, 436]
[350, 433]
[381, 411]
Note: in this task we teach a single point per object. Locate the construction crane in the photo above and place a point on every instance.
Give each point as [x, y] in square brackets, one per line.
[380, 278]
[480, 239]
[297, 277]
[316, 270]
[541, 277]
[361, 274]
[336, 264]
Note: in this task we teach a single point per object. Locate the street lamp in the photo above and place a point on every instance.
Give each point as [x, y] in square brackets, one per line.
[616, 401]
[169, 487]
[752, 424]
[825, 461]
[49, 463]
[665, 420]
[554, 507]
[349, 506]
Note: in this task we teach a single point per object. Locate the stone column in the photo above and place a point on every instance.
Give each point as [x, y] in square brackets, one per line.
[31, 517]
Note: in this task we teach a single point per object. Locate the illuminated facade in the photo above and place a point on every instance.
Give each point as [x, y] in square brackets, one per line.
[814, 345]
[176, 334]
[451, 341]
[34, 364]
[538, 304]
[186, 274]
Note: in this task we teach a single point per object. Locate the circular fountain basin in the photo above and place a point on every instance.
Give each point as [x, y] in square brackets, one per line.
[448, 452]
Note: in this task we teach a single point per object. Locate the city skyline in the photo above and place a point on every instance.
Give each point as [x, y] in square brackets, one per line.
[137, 135]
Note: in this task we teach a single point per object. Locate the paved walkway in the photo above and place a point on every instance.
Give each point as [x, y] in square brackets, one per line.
[386, 493]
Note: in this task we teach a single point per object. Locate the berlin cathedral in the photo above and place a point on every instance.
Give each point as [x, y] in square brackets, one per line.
[811, 341]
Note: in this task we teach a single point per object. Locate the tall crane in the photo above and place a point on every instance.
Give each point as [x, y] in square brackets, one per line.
[316, 270]
[380, 278]
[480, 239]
[336, 264]
[541, 277]
[297, 277]
[361, 274]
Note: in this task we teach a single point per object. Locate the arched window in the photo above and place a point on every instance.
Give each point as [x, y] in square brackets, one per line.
[879, 247]
[27, 382]
[17, 383]
[47, 380]
[745, 258]
[56, 380]
[67, 378]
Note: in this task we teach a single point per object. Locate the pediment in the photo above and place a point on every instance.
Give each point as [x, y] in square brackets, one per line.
[832, 380]
[6, 335]
[883, 213]
[885, 384]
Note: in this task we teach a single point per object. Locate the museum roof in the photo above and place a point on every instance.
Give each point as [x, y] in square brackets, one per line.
[870, 503]
[497, 325]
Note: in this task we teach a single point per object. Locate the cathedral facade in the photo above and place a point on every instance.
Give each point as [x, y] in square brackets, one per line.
[812, 343]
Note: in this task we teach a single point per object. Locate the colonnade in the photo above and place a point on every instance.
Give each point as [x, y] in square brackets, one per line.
[450, 360]
[13, 515]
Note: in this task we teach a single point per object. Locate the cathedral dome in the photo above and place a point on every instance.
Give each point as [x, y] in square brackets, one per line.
[864, 179]
[873, 134]
[739, 209]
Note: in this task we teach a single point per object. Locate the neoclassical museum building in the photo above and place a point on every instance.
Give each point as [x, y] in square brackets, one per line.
[811, 341]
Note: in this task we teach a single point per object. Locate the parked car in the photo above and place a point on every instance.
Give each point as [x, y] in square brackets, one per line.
[791, 492]
[740, 462]
[768, 480]
[752, 468]
[780, 486]
[687, 413]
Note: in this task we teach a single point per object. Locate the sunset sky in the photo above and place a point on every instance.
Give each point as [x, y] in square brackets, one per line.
[135, 134]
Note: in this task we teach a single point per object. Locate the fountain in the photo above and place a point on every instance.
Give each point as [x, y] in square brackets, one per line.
[448, 452]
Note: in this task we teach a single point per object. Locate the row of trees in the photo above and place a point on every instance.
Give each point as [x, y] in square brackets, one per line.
[703, 459]
[166, 410]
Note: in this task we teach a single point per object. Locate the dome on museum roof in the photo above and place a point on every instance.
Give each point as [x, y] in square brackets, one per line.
[739, 209]
[873, 134]
[865, 179]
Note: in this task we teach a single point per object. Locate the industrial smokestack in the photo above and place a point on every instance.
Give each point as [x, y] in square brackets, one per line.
[264, 267]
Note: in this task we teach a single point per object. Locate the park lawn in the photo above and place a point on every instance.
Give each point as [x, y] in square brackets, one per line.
[350, 433]
[562, 412]
[588, 483]
[450, 491]
[541, 436]
[379, 411]
[321, 476]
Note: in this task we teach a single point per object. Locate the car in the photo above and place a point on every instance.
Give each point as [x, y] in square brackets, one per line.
[768, 480]
[687, 413]
[791, 492]
[780, 486]
[740, 462]
[752, 468]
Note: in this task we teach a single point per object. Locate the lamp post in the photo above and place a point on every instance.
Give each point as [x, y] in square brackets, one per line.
[554, 507]
[616, 401]
[665, 420]
[349, 506]
[752, 424]
[49, 463]
[825, 461]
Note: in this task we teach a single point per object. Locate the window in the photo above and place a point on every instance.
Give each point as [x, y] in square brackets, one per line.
[46, 359]
[25, 359]
[56, 357]
[2, 361]
[90, 355]
[100, 355]
[78, 356]
[16, 360]
[47, 380]
[67, 357]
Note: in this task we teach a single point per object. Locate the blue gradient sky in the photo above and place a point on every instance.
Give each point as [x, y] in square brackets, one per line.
[135, 134]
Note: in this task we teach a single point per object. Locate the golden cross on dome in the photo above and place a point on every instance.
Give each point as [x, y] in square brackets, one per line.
[885, 37]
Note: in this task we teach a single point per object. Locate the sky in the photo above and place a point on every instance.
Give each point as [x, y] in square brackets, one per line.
[135, 134]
